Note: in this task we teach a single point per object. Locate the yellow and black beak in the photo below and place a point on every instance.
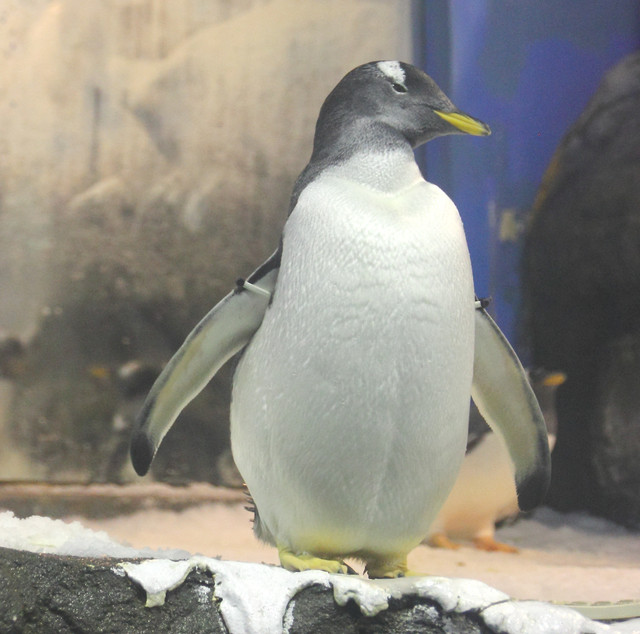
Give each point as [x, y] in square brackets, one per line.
[465, 123]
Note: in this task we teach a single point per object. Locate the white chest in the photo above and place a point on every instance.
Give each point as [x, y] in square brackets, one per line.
[358, 379]
[374, 264]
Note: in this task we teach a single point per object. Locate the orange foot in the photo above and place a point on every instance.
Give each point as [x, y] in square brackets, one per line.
[440, 540]
[491, 545]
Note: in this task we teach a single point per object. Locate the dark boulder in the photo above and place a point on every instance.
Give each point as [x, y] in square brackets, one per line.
[581, 283]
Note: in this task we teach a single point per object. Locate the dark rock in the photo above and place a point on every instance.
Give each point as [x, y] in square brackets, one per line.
[581, 274]
[616, 446]
[315, 611]
[51, 593]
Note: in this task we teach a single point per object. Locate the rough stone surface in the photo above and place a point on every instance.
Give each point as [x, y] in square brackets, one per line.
[50, 593]
[582, 293]
[315, 611]
[617, 437]
[53, 594]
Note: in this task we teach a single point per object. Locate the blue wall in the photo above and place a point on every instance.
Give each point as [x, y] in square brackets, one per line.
[527, 68]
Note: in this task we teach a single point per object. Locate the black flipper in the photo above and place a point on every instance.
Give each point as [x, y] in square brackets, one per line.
[223, 332]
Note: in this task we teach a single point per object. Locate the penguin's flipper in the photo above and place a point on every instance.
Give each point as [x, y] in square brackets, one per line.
[223, 332]
[505, 399]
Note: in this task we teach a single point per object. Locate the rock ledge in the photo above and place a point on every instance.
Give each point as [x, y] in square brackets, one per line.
[53, 593]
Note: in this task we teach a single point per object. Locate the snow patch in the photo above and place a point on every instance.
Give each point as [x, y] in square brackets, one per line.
[287, 621]
[45, 535]
[254, 597]
[157, 577]
[535, 617]
[628, 627]
[458, 595]
[576, 532]
[371, 598]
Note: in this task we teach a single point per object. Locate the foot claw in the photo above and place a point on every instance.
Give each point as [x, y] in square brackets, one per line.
[296, 562]
[389, 569]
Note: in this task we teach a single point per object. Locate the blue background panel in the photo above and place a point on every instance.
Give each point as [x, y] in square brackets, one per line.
[527, 68]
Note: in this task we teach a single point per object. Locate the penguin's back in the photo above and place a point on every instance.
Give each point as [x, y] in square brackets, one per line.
[350, 404]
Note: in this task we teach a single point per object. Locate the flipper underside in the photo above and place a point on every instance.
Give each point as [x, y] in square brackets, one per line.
[502, 393]
[223, 332]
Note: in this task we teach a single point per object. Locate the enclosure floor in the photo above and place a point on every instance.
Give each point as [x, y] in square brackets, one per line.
[570, 557]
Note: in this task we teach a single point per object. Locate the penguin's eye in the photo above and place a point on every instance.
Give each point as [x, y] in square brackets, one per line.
[399, 87]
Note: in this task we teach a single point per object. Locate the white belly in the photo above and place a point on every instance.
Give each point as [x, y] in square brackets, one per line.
[350, 404]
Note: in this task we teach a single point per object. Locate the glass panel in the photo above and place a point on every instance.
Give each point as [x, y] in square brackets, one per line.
[147, 154]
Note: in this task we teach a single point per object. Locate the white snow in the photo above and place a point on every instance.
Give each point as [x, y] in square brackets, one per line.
[574, 533]
[370, 597]
[45, 535]
[534, 617]
[254, 597]
[459, 595]
[157, 577]
[628, 627]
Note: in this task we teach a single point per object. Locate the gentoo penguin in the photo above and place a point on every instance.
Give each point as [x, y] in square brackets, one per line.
[360, 342]
[484, 492]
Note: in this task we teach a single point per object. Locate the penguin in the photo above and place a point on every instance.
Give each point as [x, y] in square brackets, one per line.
[484, 492]
[361, 339]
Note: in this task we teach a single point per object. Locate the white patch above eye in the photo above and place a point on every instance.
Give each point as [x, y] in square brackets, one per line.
[393, 71]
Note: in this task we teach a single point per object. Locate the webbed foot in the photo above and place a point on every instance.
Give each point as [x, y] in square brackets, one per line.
[389, 569]
[489, 544]
[440, 540]
[297, 562]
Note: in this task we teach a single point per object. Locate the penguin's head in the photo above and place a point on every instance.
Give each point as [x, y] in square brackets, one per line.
[396, 97]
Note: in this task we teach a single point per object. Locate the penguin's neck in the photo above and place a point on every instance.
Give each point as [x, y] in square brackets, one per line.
[373, 155]
[385, 170]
